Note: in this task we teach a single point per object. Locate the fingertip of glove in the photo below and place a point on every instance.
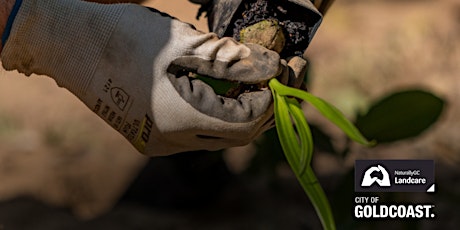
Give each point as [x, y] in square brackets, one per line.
[297, 62]
[268, 62]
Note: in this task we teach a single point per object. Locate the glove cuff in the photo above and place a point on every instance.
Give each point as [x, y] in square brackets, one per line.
[62, 39]
[9, 23]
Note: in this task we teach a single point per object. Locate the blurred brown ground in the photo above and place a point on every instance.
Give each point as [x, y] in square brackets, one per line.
[54, 149]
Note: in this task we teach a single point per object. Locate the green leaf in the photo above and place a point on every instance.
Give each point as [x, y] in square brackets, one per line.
[304, 134]
[401, 115]
[298, 148]
[285, 130]
[326, 109]
[318, 198]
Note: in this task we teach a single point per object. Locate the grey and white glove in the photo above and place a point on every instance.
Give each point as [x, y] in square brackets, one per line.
[129, 65]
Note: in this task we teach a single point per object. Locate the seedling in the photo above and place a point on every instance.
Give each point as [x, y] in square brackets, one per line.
[297, 142]
[282, 29]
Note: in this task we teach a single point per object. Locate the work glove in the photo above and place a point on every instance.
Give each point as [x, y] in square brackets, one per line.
[130, 66]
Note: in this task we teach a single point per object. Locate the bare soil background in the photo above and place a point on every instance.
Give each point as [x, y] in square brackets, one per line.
[61, 167]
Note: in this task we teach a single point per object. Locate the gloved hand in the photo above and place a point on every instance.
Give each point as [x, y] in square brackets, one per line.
[129, 65]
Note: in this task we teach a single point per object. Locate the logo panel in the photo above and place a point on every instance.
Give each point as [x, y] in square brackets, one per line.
[394, 176]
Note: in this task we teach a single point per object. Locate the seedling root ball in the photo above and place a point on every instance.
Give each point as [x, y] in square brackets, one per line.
[292, 30]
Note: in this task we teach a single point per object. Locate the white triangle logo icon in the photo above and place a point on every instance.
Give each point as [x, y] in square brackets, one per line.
[431, 188]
